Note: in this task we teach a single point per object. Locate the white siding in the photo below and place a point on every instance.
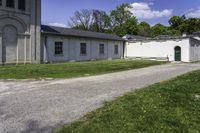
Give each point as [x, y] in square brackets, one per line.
[71, 49]
[195, 50]
[158, 49]
[51, 49]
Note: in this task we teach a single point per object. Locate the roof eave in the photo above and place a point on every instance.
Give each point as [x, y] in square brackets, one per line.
[59, 34]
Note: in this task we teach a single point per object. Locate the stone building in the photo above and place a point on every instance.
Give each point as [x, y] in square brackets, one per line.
[20, 22]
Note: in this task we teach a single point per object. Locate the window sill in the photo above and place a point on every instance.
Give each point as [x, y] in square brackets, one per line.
[58, 55]
[83, 54]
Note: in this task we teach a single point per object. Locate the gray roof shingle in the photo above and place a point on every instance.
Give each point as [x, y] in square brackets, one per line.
[78, 33]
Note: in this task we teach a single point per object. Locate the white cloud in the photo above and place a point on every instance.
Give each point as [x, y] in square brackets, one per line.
[144, 11]
[193, 13]
[57, 24]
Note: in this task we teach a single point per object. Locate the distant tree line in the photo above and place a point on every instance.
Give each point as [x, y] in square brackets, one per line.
[121, 21]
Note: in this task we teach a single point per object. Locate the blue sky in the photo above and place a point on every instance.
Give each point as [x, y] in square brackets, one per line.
[58, 12]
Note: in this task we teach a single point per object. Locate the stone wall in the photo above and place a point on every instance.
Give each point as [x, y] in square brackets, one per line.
[26, 23]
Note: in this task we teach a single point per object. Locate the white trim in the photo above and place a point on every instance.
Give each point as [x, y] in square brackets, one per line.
[30, 44]
[25, 50]
[17, 52]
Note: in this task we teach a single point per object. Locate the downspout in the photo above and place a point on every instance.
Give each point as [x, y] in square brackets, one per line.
[124, 46]
[45, 48]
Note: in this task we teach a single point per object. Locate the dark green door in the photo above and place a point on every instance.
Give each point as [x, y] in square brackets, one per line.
[177, 53]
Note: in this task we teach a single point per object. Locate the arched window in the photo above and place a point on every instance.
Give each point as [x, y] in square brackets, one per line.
[10, 3]
[21, 4]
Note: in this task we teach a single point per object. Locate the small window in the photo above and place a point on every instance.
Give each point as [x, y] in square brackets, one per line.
[10, 3]
[83, 49]
[58, 48]
[21, 4]
[116, 50]
[0, 2]
[101, 49]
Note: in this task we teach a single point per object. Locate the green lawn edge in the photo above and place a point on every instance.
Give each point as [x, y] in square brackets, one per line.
[72, 69]
[168, 107]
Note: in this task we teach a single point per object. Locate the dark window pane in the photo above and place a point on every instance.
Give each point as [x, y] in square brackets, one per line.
[10, 3]
[21, 4]
[101, 49]
[83, 49]
[58, 48]
[0, 2]
[116, 50]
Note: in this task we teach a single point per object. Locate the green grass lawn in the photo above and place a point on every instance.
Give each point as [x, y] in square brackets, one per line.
[168, 107]
[69, 70]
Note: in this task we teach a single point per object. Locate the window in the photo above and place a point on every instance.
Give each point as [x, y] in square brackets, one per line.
[0, 2]
[58, 48]
[83, 49]
[116, 49]
[10, 3]
[21, 4]
[101, 49]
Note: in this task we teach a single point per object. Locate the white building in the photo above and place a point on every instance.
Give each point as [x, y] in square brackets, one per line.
[64, 44]
[185, 49]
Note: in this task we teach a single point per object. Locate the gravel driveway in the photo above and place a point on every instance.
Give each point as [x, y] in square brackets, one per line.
[40, 106]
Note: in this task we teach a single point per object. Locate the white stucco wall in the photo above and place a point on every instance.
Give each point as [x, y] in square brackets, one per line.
[158, 49]
[71, 48]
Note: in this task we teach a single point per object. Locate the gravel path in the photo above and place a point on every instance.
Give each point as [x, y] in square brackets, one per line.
[40, 106]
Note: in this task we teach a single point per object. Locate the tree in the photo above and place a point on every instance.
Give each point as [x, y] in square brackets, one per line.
[122, 20]
[94, 20]
[81, 20]
[184, 25]
[190, 25]
[144, 29]
[101, 21]
[158, 29]
[120, 15]
[176, 22]
[173, 32]
[130, 26]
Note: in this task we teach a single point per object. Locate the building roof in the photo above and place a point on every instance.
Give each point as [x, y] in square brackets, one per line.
[167, 37]
[196, 33]
[78, 33]
[134, 37]
[158, 38]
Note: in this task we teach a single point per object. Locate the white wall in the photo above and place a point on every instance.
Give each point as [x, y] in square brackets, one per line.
[71, 49]
[158, 49]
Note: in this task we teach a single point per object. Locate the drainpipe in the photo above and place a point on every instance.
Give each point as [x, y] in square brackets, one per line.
[45, 48]
[124, 47]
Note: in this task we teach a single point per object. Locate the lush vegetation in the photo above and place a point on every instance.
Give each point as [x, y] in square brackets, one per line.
[121, 21]
[169, 107]
[69, 70]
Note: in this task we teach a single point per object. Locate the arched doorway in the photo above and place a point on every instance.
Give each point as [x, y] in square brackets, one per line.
[177, 53]
[9, 49]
